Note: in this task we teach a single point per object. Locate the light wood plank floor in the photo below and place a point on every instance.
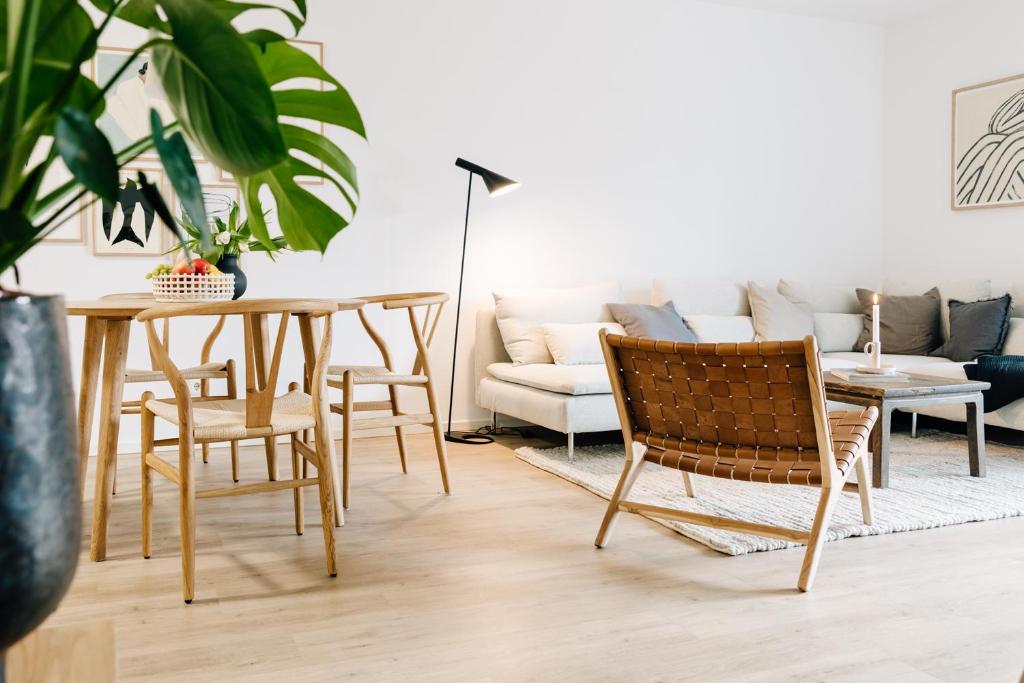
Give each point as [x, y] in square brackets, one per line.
[500, 582]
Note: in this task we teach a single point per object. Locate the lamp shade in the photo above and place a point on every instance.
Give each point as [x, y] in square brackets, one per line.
[495, 182]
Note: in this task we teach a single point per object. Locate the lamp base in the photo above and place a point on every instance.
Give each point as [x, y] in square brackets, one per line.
[470, 438]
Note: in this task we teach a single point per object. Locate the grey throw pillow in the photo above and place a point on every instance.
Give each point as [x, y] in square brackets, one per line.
[654, 322]
[976, 329]
[908, 325]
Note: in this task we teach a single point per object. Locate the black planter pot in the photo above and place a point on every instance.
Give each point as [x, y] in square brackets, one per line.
[228, 263]
[40, 503]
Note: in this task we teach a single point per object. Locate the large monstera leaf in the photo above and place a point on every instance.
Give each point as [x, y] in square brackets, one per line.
[307, 222]
[216, 89]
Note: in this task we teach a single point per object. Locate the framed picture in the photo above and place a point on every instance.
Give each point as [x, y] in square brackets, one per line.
[73, 226]
[130, 226]
[987, 160]
[316, 50]
[218, 198]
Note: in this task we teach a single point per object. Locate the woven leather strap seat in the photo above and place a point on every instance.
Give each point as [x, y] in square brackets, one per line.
[850, 431]
[750, 411]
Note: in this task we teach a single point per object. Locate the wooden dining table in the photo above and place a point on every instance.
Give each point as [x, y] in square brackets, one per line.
[108, 325]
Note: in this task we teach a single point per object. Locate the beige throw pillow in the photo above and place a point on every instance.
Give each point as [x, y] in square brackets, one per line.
[777, 318]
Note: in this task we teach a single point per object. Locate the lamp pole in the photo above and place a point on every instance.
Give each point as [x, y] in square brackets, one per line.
[496, 184]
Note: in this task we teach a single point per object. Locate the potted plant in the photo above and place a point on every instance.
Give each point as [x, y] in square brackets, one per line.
[228, 240]
[218, 81]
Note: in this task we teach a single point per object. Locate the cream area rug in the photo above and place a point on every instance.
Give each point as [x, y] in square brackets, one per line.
[930, 486]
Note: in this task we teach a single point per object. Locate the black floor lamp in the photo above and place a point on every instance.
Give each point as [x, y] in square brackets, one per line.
[496, 184]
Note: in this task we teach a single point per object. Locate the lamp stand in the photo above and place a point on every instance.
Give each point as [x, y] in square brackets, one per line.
[466, 438]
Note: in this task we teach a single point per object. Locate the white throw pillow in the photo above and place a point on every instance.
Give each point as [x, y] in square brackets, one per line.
[837, 331]
[775, 317]
[1014, 344]
[721, 328]
[821, 298]
[577, 343]
[520, 314]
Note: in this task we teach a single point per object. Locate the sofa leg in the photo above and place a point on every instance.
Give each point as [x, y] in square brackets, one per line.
[494, 421]
[571, 446]
[913, 425]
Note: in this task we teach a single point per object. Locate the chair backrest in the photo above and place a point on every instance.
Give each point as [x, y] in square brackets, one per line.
[423, 329]
[761, 400]
[165, 334]
[261, 372]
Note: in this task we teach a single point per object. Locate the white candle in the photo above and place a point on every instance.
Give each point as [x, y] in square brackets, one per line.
[876, 342]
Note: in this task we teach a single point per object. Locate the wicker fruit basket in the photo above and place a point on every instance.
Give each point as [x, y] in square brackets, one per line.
[193, 287]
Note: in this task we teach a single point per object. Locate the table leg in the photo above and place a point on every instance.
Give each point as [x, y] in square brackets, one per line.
[976, 435]
[91, 354]
[260, 345]
[115, 352]
[880, 436]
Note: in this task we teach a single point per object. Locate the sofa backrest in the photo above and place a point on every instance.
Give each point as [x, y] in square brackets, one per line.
[487, 347]
[702, 297]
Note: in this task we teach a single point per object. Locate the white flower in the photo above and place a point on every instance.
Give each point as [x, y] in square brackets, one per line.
[243, 247]
[223, 237]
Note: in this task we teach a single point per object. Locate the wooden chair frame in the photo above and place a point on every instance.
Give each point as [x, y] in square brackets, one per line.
[259, 404]
[423, 334]
[133, 407]
[834, 481]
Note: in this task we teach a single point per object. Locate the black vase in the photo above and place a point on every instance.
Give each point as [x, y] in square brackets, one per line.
[228, 263]
[40, 502]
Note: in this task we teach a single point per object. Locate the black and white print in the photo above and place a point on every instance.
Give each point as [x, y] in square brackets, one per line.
[988, 144]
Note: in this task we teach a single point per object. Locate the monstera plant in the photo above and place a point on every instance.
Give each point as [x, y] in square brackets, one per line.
[228, 89]
[233, 96]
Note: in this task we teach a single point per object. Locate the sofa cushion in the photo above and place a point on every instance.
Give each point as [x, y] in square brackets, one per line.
[976, 329]
[575, 380]
[909, 325]
[837, 331]
[900, 362]
[702, 297]
[653, 322]
[776, 317]
[961, 290]
[721, 328]
[520, 314]
[821, 298]
[577, 343]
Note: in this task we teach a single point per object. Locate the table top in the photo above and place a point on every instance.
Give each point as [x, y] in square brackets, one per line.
[130, 305]
[916, 385]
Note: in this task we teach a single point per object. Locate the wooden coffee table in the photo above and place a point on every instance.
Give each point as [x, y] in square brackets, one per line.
[919, 390]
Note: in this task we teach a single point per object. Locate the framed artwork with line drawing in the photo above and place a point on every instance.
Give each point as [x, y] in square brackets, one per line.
[130, 226]
[217, 197]
[987, 154]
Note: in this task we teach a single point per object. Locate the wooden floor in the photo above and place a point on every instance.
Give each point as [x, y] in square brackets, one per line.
[500, 581]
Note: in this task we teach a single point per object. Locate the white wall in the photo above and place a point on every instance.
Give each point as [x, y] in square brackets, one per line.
[964, 44]
[653, 138]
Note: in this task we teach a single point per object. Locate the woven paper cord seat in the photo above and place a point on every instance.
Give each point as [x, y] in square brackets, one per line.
[225, 419]
[212, 370]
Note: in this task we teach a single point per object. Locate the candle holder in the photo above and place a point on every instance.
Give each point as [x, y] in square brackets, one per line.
[873, 349]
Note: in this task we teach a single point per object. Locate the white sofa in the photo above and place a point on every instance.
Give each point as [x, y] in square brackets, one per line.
[576, 398]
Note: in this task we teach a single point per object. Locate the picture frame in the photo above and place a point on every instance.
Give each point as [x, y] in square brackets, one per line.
[985, 170]
[129, 227]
